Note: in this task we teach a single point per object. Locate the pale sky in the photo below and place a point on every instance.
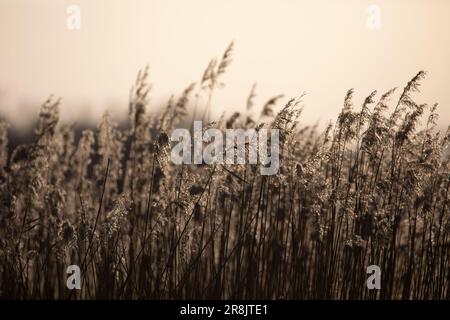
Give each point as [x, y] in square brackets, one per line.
[323, 47]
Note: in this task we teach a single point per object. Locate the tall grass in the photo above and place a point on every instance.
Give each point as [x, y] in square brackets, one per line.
[371, 189]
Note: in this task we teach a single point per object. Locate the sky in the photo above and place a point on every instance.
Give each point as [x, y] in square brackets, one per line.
[321, 47]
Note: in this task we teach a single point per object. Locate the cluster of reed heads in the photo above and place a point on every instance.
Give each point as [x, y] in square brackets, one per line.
[371, 189]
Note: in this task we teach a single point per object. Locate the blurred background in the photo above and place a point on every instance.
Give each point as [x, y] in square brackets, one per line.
[323, 47]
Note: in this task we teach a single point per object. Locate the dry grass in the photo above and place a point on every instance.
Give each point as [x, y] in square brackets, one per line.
[371, 189]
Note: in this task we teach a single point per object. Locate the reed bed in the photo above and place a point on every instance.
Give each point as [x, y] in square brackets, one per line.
[371, 189]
